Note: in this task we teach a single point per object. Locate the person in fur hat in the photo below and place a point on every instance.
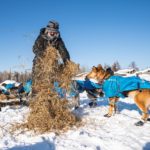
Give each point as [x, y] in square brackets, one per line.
[48, 37]
[51, 35]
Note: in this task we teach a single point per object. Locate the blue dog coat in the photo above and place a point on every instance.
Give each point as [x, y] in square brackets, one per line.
[27, 86]
[10, 86]
[60, 91]
[4, 90]
[116, 85]
[78, 86]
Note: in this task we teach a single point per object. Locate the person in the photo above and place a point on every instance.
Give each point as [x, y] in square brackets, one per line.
[51, 35]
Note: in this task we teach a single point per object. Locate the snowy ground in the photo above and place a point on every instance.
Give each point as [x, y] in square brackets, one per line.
[98, 132]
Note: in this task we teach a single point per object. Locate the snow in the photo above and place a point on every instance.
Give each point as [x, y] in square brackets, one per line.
[80, 76]
[145, 77]
[11, 82]
[96, 133]
[147, 70]
[124, 71]
[2, 88]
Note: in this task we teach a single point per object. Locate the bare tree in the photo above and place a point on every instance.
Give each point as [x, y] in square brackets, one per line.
[84, 69]
[17, 76]
[116, 66]
[133, 65]
[106, 66]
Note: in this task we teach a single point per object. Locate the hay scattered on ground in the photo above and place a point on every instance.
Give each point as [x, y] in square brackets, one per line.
[47, 111]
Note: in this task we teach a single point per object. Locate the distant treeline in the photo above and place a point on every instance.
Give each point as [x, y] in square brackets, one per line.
[17, 76]
[23, 76]
[115, 66]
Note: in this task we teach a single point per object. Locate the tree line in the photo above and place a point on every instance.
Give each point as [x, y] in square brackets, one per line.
[17, 76]
[115, 66]
[24, 76]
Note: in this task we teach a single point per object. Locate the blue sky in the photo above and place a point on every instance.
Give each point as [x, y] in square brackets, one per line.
[94, 31]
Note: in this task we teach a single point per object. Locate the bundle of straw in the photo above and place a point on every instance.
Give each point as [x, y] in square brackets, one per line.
[47, 111]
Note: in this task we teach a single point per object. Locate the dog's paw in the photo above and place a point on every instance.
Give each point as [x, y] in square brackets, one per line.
[139, 123]
[107, 115]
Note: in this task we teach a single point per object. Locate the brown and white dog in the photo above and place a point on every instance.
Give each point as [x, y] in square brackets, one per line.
[141, 97]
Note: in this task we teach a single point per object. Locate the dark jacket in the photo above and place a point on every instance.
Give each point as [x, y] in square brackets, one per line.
[41, 43]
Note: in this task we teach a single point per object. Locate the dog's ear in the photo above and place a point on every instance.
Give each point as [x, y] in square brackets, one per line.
[99, 67]
[94, 69]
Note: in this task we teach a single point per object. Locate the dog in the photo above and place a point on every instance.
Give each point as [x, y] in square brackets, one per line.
[7, 91]
[115, 87]
[76, 87]
[92, 89]
[6, 94]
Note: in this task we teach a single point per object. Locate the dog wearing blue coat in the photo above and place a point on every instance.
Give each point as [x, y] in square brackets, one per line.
[115, 87]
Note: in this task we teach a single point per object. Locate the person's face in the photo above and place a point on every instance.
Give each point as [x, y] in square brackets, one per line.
[51, 34]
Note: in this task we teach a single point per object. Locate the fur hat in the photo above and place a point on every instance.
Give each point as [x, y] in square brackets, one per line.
[54, 25]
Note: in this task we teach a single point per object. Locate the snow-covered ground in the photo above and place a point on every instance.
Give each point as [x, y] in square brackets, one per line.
[97, 133]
